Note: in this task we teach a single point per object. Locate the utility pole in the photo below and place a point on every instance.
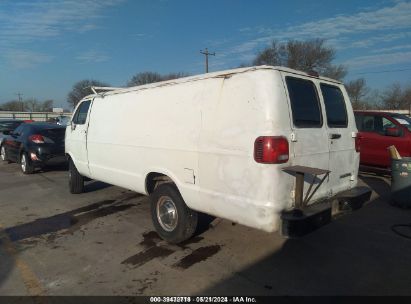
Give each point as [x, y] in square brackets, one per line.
[20, 101]
[206, 53]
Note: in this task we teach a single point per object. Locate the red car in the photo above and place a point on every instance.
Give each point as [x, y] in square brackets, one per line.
[379, 130]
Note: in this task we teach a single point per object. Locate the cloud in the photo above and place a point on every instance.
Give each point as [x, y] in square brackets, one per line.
[23, 59]
[379, 60]
[388, 18]
[92, 56]
[373, 40]
[393, 48]
[361, 30]
[27, 21]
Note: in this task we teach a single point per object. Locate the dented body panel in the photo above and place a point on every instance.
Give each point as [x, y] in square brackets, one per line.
[200, 132]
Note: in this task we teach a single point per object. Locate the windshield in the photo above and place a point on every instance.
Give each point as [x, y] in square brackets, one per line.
[9, 125]
[405, 121]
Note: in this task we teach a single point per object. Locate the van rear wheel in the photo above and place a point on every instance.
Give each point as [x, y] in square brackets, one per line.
[172, 218]
[76, 180]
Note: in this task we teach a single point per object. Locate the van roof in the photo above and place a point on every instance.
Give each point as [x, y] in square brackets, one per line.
[218, 74]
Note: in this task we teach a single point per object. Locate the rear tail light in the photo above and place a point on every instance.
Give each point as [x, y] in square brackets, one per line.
[271, 150]
[358, 143]
[37, 139]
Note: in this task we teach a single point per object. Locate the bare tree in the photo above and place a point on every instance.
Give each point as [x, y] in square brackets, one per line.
[175, 75]
[357, 90]
[272, 55]
[144, 78]
[47, 105]
[13, 105]
[31, 105]
[396, 97]
[151, 77]
[81, 89]
[310, 55]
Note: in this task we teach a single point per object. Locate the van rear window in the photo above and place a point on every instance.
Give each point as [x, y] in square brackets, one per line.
[334, 106]
[305, 106]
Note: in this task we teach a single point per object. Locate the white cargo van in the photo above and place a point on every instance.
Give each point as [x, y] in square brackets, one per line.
[237, 144]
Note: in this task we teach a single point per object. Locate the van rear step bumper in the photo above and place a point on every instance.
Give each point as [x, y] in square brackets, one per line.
[299, 222]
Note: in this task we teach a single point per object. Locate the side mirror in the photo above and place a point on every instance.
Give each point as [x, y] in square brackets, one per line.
[395, 132]
[73, 125]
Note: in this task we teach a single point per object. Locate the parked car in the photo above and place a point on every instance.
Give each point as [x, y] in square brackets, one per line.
[221, 143]
[378, 131]
[62, 120]
[8, 125]
[34, 145]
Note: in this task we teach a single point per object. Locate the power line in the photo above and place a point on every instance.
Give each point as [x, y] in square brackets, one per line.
[206, 53]
[20, 100]
[384, 71]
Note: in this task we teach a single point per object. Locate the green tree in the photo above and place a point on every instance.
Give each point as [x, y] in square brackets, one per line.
[81, 89]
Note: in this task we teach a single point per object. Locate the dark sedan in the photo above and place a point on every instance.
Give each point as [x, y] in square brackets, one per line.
[8, 125]
[34, 145]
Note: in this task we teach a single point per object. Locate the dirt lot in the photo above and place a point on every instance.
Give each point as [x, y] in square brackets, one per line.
[102, 243]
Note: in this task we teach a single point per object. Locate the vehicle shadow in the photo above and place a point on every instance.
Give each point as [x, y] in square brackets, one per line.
[357, 254]
[59, 167]
[6, 260]
[95, 186]
[13, 239]
[377, 183]
[204, 222]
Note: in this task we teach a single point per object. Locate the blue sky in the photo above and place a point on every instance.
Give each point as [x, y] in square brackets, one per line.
[48, 45]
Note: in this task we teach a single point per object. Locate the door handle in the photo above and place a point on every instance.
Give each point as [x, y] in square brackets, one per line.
[335, 136]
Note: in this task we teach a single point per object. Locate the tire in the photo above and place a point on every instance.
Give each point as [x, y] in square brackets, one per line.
[76, 180]
[3, 153]
[177, 228]
[25, 164]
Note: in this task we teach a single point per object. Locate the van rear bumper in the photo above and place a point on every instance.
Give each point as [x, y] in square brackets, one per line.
[298, 222]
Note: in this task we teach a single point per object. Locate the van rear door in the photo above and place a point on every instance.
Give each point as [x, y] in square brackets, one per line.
[309, 140]
[340, 137]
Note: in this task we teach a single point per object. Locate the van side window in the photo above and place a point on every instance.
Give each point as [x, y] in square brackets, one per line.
[305, 105]
[80, 116]
[334, 106]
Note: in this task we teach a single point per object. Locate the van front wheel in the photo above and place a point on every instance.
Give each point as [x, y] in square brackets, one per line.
[76, 180]
[172, 219]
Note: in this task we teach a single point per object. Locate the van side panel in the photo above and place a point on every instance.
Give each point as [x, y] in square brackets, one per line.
[153, 130]
[232, 184]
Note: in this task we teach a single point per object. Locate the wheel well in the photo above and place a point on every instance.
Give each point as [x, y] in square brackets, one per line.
[154, 179]
[18, 161]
